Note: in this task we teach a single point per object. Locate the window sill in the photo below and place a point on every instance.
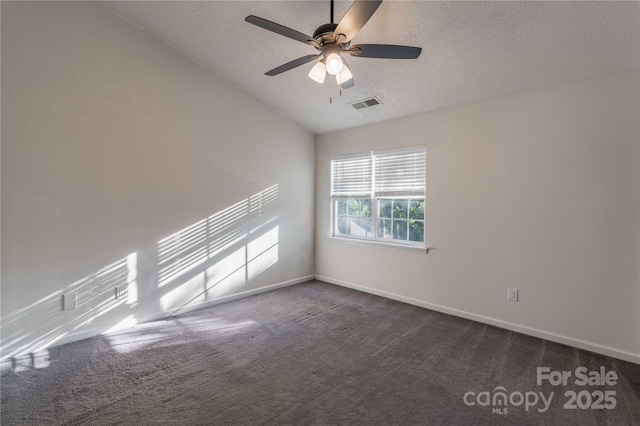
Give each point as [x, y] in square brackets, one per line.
[381, 244]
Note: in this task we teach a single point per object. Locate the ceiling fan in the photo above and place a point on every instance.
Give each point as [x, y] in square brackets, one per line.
[333, 39]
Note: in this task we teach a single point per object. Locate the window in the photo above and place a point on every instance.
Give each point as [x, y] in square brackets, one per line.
[380, 196]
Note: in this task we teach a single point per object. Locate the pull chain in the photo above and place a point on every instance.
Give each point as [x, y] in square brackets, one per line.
[331, 90]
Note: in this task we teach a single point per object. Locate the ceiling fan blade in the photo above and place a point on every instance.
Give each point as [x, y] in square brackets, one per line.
[385, 51]
[355, 18]
[290, 65]
[280, 29]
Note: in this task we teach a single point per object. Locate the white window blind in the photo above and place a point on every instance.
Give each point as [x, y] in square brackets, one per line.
[351, 176]
[400, 173]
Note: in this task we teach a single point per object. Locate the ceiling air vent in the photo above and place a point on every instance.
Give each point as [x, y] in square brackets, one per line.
[366, 103]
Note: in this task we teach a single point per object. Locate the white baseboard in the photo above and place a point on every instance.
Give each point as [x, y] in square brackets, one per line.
[85, 334]
[581, 344]
[228, 298]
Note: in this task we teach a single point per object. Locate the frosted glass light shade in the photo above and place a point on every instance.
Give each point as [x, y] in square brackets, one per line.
[334, 63]
[318, 72]
[344, 75]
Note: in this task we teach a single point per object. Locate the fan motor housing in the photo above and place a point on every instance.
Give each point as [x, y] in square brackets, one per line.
[324, 33]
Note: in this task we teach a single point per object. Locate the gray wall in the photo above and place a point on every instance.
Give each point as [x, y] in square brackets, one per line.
[538, 191]
[113, 141]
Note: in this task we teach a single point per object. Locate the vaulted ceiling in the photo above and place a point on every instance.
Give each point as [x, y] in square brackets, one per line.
[471, 51]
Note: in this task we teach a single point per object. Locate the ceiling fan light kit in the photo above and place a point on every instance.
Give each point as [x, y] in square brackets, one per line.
[318, 72]
[344, 75]
[332, 40]
[334, 63]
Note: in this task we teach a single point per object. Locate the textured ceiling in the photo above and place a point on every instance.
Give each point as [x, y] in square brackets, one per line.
[471, 51]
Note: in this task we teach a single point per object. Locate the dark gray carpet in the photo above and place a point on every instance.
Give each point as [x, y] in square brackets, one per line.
[313, 353]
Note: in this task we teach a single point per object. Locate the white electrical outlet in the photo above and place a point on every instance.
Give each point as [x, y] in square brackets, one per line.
[303, 258]
[122, 291]
[512, 295]
[70, 301]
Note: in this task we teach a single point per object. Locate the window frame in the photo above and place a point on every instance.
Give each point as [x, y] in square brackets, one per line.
[375, 199]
